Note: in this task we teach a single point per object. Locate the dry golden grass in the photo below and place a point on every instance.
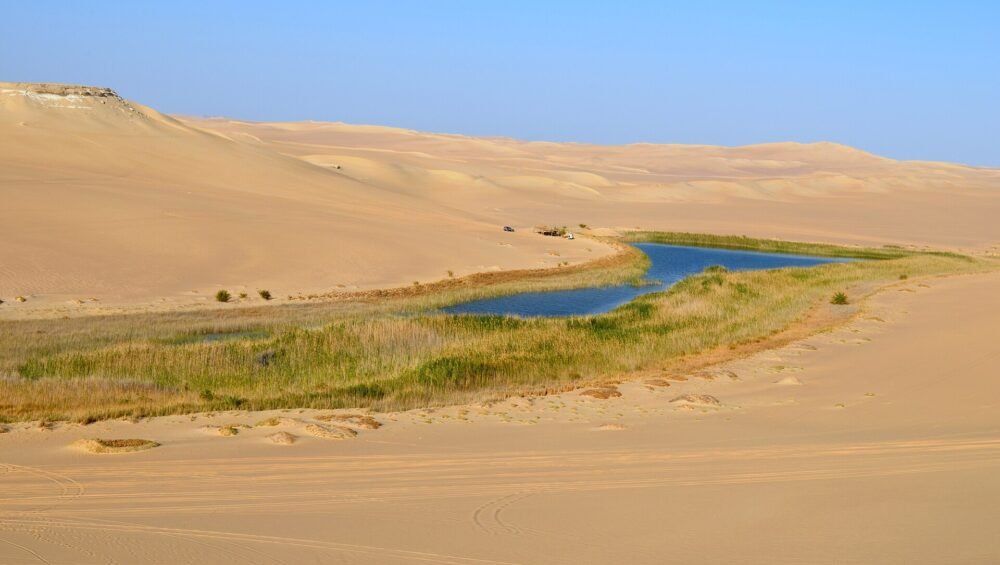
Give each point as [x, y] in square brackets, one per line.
[96, 445]
[362, 421]
[603, 393]
[330, 432]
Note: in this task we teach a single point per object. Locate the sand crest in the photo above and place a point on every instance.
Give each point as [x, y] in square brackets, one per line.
[282, 438]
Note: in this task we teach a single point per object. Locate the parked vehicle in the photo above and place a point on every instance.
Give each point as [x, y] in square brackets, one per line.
[508, 228]
[570, 236]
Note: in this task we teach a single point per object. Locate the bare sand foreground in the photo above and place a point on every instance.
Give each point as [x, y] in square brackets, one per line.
[110, 205]
[878, 442]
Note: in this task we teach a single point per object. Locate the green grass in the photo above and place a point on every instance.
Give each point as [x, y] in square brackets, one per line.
[744, 243]
[384, 351]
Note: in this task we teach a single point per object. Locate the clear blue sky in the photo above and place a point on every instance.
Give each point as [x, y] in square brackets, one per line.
[913, 80]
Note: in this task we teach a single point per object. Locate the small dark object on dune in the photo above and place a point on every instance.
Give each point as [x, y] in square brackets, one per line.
[839, 299]
[264, 293]
[223, 296]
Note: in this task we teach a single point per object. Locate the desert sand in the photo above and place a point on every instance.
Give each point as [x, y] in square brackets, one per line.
[878, 442]
[108, 204]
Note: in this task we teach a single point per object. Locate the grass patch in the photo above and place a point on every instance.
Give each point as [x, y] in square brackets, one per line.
[382, 350]
[744, 243]
[96, 445]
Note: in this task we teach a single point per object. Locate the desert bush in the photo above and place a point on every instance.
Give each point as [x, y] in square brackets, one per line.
[264, 293]
[839, 298]
[223, 296]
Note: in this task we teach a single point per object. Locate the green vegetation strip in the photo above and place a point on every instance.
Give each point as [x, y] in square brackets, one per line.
[388, 356]
[744, 243]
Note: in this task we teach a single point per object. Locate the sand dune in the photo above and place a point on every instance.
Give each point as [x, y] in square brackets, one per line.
[817, 192]
[887, 452]
[107, 199]
[108, 202]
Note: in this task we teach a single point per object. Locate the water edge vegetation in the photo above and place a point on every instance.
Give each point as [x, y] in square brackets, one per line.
[384, 350]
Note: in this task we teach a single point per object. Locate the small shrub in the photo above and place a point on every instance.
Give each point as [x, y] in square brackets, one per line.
[840, 299]
[451, 274]
[206, 395]
[584, 226]
[223, 296]
[264, 293]
[903, 277]
[243, 296]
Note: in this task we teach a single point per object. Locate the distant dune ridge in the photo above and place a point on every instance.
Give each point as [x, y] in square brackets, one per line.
[110, 200]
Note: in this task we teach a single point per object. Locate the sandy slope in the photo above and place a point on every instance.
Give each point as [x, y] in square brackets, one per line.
[106, 199]
[110, 203]
[819, 191]
[876, 443]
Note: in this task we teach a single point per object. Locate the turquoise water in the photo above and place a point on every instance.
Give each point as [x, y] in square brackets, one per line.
[670, 263]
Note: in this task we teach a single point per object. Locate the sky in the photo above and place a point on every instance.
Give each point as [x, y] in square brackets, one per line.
[908, 80]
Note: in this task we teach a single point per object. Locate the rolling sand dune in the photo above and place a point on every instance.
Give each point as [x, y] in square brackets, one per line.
[820, 191]
[888, 451]
[108, 203]
[107, 199]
